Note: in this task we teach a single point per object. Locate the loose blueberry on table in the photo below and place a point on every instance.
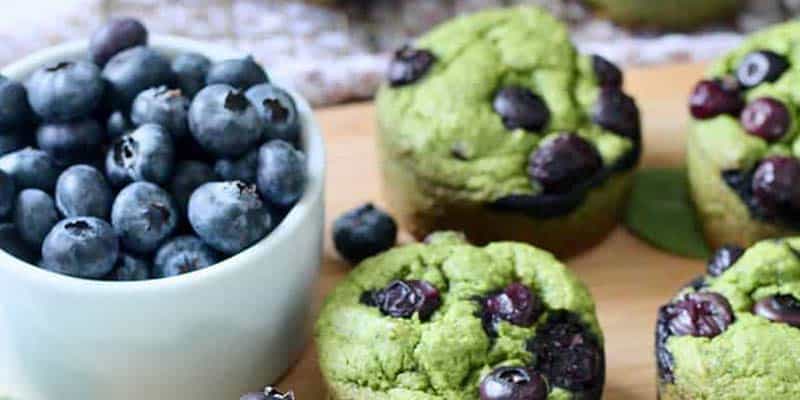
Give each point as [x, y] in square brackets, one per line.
[513, 383]
[121, 182]
[269, 393]
[364, 232]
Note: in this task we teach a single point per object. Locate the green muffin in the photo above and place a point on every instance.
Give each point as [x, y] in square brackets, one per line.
[448, 320]
[493, 124]
[743, 150]
[734, 334]
[669, 14]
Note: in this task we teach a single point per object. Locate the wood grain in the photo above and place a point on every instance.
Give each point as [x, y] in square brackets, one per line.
[628, 278]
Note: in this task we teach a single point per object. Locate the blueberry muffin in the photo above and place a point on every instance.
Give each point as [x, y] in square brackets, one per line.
[668, 14]
[448, 320]
[743, 150]
[492, 124]
[734, 333]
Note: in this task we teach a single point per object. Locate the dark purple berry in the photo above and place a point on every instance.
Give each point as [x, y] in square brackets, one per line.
[617, 112]
[364, 232]
[513, 383]
[269, 393]
[519, 108]
[402, 299]
[562, 163]
[116, 35]
[779, 308]
[409, 65]
[766, 118]
[607, 73]
[567, 354]
[776, 185]
[702, 314]
[723, 259]
[515, 304]
[761, 66]
[712, 98]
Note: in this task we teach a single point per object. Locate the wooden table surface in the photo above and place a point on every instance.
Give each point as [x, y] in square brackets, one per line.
[628, 279]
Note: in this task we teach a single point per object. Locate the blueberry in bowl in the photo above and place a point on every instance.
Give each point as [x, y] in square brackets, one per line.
[743, 316]
[743, 150]
[120, 270]
[493, 137]
[503, 321]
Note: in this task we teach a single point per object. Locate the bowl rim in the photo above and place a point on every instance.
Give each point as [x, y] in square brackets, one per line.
[311, 137]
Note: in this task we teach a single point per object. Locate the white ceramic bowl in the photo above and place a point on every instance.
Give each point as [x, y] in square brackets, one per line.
[209, 335]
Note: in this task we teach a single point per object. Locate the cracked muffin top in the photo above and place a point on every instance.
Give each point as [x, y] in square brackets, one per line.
[745, 122]
[499, 103]
[734, 333]
[448, 320]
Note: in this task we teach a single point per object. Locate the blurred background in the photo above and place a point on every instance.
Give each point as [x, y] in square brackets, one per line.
[335, 50]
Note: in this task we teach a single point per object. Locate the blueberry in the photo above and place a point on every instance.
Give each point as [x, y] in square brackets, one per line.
[146, 154]
[65, 91]
[239, 73]
[723, 259]
[12, 243]
[181, 255]
[244, 169]
[567, 354]
[761, 66]
[162, 106]
[269, 393]
[71, 142]
[403, 299]
[702, 314]
[132, 71]
[618, 113]
[34, 215]
[189, 175]
[116, 173]
[278, 112]
[562, 163]
[15, 111]
[116, 35]
[8, 194]
[364, 232]
[711, 98]
[766, 118]
[224, 121]
[281, 173]
[143, 216]
[513, 383]
[606, 72]
[776, 185]
[84, 247]
[12, 141]
[82, 191]
[129, 268]
[409, 65]
[31, 168]
[229, 216]
[118, 125]
[516, 304]
[519, 108]
[779, 308]
[190, 71]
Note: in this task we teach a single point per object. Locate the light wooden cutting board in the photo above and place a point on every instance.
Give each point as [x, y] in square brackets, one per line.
[628, 278]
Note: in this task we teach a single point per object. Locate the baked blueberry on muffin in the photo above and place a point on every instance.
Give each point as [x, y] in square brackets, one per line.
[743, 152]
[735, 332]
[492, 124]
[448, 320]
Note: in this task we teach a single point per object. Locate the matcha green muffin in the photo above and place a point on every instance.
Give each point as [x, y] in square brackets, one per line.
[492, 124]
[669, 14]
[734, 334]
[743, 146]
[447, 320]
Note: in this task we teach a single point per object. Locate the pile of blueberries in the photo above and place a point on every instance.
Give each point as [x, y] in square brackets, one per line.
[127, 165]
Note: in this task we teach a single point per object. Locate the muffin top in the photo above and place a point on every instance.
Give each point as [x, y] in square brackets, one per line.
[471, 103]
[434, 321]
[745, 122]
[735, 333]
